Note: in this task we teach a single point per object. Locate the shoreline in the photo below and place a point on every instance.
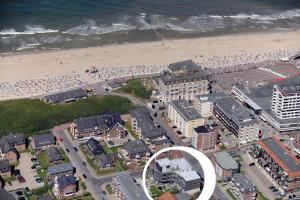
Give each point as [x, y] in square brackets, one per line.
[257, 33]
[38, 73]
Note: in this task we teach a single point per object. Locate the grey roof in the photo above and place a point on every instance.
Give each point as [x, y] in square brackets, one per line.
[64, 181]
[169, 78]
[105, 121]
[43, 140]
[290, 86]
[4, 164]
[145, 123]
[114, 85]
[136, 147]
[8, 142]
[186, 110]
[53, 154]
[186, 65]
[60, 168]
[94, 146]
[243, 183]
[225, 160]
[281, 154]
[129, 188]
[6, 147]
[205, 128]
[5, 194]
[235, 111]
[66, 96]
[104, 160]
[211, 96]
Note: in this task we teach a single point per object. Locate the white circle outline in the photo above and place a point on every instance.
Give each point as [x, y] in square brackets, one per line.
[207, 167]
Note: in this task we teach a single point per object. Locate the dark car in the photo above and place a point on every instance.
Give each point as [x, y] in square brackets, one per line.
[275, 190]
[67, 150]
[251, 164]
[84, 176]
[84, 163]
[75, 149]
[19, 193]
[104, 192]
[155, 115]
[153, 106]
[21, 198]
[272, 187]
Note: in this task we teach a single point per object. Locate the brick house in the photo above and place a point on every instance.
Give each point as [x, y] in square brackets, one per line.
[5, 169]
[66, 186]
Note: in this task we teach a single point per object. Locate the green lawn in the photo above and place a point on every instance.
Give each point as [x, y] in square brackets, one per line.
[10, 179]
[131, 131]
[109, 189]
[109, 150]
[43, 160]
[32, 116]
[260, 196]
[136, 88]
[155, 192]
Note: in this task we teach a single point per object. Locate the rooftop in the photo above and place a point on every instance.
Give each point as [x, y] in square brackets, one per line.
[64, 181]
[60, 168]
[104, 121]
[243, 182]
[136, 146]
[43, 139]
[210, 96]
[145, 123]
[235, 111]
[66, 96]
[184, 66]
[5, 194]
[180, 166]
[186, 110]
[4, 164]
[290, 86]
[225, 160]
[205, 128]
[285, 159]
[129, 188]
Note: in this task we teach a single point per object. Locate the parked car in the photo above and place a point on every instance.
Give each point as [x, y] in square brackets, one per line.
[84, 163]
[155, 115]
[84, 176]
[75, 149]
[21, 179]
[67, 150]
[251, 164]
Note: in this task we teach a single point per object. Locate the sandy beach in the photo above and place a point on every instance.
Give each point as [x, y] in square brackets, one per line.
[44, 68]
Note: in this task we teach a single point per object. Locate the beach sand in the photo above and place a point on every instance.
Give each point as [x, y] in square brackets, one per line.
[33, 65]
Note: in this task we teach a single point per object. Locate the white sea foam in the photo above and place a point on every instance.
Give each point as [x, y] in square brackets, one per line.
[29, 30]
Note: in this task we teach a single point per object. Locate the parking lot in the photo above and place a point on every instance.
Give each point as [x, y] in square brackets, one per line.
[24, 169]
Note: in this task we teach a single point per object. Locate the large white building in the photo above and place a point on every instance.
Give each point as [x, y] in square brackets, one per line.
[184, 116]
[277, 103]
[182, 80]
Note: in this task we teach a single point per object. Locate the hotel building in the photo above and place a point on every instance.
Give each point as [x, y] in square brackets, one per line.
[184, 116]
[182, 80]
[205, 137]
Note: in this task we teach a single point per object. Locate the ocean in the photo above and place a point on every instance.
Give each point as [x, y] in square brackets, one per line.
[59, 24]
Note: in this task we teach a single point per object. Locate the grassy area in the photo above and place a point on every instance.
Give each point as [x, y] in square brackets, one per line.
[260, 196]
[109, 189]
[230, 194]
[10, 179]
[83, 186]
[64, 155]
[120, 166]
[130, 130]
[155, 192]
[109, 150]
[43, 160]
[137, 88]
[32, 116]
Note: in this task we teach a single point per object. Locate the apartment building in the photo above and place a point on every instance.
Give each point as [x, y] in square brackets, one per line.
[279, 163]
[276, 103]
[238, 119]
[178, 172]
[242, 187]
[182, 80]
[225, 165]
[205, 137]
[184, 116]
[126, 189]
[204, 103]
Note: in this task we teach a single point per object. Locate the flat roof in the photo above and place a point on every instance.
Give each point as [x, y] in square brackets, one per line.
[186, 65]
[60, 168]
[211, 96]
[285, 159]
[225, 160]
[129, 188]
[244, 182]
[205, 128]
[65, 96]
[186, 110]
[235, 111]
[180, 166]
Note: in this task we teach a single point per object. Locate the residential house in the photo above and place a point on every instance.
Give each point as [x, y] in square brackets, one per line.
[94, 146]
[60, 169]
[10, 145]
[5, 195]
[66, 186]
[54, 155]
[65, 97]
[135, 149]
[5, 169]
[105, 161]
[242, 187]
[43, 141]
